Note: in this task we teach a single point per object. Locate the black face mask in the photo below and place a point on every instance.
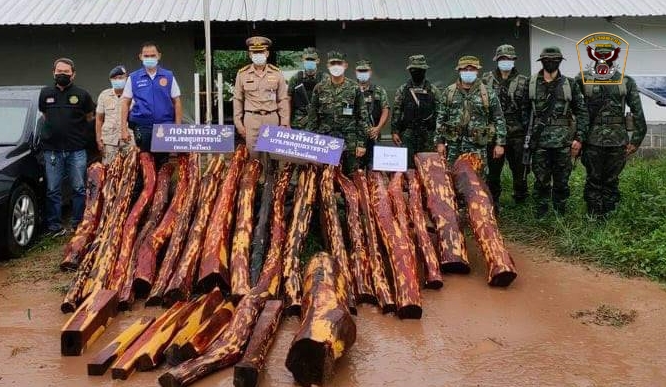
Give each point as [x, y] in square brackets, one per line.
[418, 75]
[550, 65]
[63, 79]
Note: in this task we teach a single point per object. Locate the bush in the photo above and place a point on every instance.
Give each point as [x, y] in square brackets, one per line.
[632, 240]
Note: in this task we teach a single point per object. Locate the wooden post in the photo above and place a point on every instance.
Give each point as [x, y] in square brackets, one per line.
[88, 322]
[104, 358]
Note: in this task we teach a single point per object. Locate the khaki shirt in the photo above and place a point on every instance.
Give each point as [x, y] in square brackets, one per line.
[108, 104]
[254, 92]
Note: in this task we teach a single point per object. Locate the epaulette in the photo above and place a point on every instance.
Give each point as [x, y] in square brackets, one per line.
[273, 67]
[244, 68]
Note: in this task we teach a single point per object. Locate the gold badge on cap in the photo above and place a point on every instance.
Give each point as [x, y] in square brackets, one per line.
[73, 99]
[163, 81]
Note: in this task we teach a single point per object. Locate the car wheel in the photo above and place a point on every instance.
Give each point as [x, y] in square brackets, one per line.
[22, 220]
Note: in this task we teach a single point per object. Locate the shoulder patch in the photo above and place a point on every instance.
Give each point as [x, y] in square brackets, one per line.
[274, 67]
[244, 68]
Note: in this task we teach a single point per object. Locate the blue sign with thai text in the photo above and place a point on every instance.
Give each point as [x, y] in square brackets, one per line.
[187, 138]
[299, 144]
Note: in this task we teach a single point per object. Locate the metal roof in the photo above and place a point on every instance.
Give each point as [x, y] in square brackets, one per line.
[58, 12]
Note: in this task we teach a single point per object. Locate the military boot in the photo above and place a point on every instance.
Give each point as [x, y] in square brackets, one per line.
[541, 210]
[560, 208]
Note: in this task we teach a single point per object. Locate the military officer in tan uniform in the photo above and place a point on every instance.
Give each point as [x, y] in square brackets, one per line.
[107, 122]
[260, 94]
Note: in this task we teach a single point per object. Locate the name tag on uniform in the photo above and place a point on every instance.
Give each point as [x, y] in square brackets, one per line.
[50, 100]
[272, 95]
[347, 111]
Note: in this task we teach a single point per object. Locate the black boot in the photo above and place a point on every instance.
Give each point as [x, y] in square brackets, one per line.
[560, 208]
[541, 210]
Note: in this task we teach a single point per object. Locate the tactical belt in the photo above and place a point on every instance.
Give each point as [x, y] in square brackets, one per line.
[261, 112]
[608, 120]
[558, 122]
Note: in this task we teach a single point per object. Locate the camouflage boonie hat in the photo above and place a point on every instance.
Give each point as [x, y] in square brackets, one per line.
[551, 53]
[336, 56]
[506, 50]
[310, 53]
[468, 60]
[363, 64]
[417, 62]
[258, 43]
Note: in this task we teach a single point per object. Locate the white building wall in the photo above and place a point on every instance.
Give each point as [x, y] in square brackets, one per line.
[643, 59]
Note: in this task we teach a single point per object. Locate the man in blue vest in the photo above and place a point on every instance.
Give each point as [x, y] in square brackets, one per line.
[154, 96]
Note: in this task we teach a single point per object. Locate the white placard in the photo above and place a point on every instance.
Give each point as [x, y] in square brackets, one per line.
[389, 158]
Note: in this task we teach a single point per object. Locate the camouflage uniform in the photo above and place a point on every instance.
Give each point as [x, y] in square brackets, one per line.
[300, 90]
[512, 93]
[414, 112]
[553, 135]
[376, 100]
[604, 150]
[339, 111]
[465, 123]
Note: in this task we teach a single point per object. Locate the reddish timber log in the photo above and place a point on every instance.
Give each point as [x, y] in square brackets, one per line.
[359, 260]
[334, 239]
[108, 250]
[214, 263]
[88, 322]
[260, 237]
[76, 288]
[147, 351]
[159, 204]
[207, 333]
[123, 267]
[247, 371]
[225, 351]
[205, 306]
[180, 232]
[396, 240]
[240, 251]
[85, 233]
[501, 268]
[147, 251]
[180, 285]
[433, 173]
[104, 358]
[271, 273]
[379, 281]
[304, 198]
[433, 277]
[327, 329]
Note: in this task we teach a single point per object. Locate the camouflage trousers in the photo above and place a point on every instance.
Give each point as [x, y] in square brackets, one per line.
[417, 140]
[603, 166]
[513, 154]
[299, 121]
[552, 168]
[455, 149]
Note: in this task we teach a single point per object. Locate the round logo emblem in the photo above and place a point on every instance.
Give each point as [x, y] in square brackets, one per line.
[163, 81]
[73, 99]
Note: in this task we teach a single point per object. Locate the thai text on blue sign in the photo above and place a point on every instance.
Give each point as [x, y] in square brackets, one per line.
[192, 138]
[299, 144]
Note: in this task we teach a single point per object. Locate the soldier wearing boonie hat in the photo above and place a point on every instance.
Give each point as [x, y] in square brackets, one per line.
[301, 86]
[376, 103]
[108, 117]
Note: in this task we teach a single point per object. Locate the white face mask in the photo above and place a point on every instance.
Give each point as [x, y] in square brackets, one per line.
[363, 76]
[505, 65]
[259, 59]
[336, 70]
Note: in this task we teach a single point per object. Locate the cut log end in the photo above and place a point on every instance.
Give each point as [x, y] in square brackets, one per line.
[502, 279]
[410, 312]
[186, 352]
[208, 283]
[68, 307]
[172, 296]
[173, 355]
[71, 343]
[309, 362]
[293, 310]
[119, 373]
[155, 301]
[141, 288]
[246, 375]
[168, 380]
[436, 284]
[100, 369]
[124, 306]
[144, 363]
[454, 268]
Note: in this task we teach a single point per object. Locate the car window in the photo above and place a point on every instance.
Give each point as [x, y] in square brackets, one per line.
[13, 116]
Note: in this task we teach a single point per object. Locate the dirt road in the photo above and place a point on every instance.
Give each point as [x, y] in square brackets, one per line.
[470, 334]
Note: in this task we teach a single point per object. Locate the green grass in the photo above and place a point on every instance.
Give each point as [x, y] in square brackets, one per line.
[631, 241]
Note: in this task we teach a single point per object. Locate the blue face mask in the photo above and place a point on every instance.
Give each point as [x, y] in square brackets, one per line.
[363, 76]
[149, 63]
[118, 84]
[468, 76]
[309, 65]
[505, 65]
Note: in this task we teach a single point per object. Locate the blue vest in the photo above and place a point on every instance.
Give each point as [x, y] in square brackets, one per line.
[152, 97]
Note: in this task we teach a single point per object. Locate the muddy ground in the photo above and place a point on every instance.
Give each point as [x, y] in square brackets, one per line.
[559, 324]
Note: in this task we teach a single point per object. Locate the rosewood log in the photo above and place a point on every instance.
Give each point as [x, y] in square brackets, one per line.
[181, 282]
[104, 358]
[304, 198]
[327, 329]
[240, 251]
[225, 351]
[247, 371]
[501, 268]
[207, 333]
[124, 267]
[180, 232]
[85, 232]
[433, 173]
[379, 281]
[160, 201]
[396, 240]
[426, 250]
[260, 239]
[88, 322]
[214, 264]
[147, 252]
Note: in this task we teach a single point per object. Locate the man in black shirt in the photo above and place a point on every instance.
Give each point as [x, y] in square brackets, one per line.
[67, 111]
